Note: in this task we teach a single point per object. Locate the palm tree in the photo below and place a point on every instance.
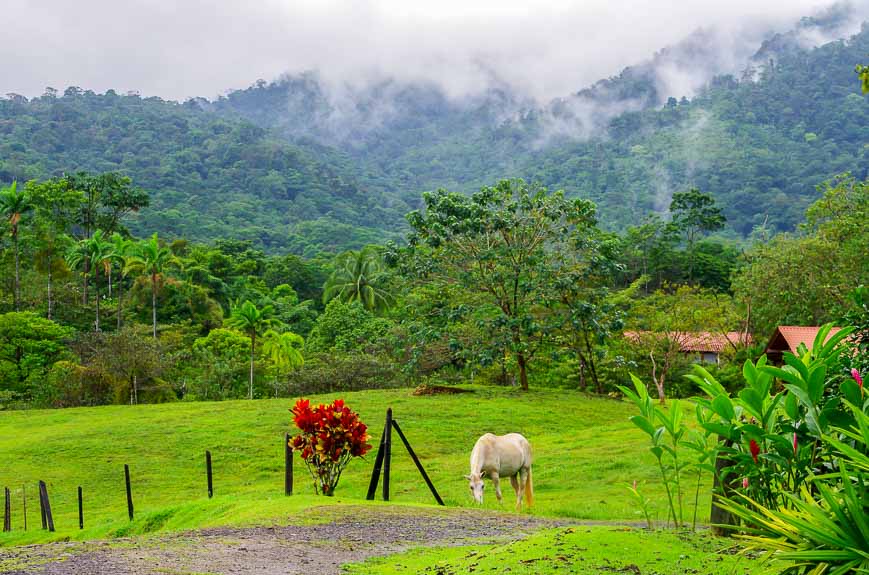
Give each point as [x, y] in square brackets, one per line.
[121, 248]
[358, 276]
[251, 320]
[98, 251]
[13, 206]
[284, 350]
[152, 259]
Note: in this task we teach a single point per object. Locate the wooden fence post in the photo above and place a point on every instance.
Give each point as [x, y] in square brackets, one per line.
[375, 473]
[417, 462]
[7, 511]
[48, 520]
[80, 509]
[42, 507]
[288, 466]
[387, 454]
[208, 474]
[129, 492]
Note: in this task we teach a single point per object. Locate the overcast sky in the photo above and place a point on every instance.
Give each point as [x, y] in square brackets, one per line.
[181, 48]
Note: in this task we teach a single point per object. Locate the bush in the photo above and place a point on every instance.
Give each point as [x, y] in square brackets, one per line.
[327, 373]
[330, 436]
[802, 454]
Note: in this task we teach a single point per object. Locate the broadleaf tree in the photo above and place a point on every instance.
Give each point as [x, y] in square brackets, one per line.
[509, 242]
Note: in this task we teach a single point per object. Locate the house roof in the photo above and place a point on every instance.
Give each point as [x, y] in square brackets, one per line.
[789, 337]
[697, 341]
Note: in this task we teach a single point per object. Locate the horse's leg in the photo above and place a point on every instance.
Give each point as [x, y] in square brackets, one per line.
[496, 482]
[523, 478]
[514, 481]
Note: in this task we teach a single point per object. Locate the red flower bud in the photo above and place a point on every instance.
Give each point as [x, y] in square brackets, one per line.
[755, 449]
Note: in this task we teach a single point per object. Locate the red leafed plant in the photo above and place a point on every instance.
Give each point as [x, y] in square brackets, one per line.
[330, 435]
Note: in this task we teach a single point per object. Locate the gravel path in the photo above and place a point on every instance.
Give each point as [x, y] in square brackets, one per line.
[354, 534]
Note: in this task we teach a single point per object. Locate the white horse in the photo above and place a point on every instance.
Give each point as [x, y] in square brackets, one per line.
[499, 456]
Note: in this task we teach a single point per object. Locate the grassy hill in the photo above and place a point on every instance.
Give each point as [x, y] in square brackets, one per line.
[586, 452]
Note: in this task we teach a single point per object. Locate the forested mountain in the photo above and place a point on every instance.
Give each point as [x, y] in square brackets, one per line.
[208, 177]
[300, 165]
[759, 142]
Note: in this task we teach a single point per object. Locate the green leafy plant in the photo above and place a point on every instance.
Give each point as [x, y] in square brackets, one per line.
[773, 437]
[667, 433]
[824, 529]
[643, 503]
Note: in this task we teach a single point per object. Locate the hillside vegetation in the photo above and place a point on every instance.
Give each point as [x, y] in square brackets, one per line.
[294, 166]
[586, 453]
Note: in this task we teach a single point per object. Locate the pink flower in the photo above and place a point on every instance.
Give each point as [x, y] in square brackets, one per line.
[795, 443]
[856, 375]
[745, 482]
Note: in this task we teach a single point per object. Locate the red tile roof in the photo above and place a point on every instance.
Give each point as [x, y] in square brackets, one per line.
[697, 341]
[794, 335]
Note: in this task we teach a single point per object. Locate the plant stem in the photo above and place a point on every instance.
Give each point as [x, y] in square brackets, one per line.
[669, 495]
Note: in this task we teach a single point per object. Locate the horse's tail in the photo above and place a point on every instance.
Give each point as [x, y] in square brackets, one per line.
[529, 489]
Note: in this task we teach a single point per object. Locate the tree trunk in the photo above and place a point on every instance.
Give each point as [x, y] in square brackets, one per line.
[110, 282]
[154, 303]
[17, 274]
[252, 344]
[120, 295]
[49, 285]
[523, 371]
[87, 273]
[717, 515]
[659, 381]
[583, 385]
[97, 297]
[589, 363]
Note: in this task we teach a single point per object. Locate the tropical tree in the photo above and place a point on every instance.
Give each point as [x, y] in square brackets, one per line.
[152, 259]
[13, 206]
[694, 213]
[359, 276]
[511, 244]
[284, 350]
[121, 251]
[97, 251]
[863, 72]
[251, 320]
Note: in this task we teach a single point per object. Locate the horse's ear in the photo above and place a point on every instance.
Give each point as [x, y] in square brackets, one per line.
[468, 477]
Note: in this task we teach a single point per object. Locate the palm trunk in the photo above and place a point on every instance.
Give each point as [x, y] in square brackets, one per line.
[120, 295]
[252, 344]
[154, 302]
[87, 271]
[17, 274]
[49, 285]
[97, 297]
[110, 282]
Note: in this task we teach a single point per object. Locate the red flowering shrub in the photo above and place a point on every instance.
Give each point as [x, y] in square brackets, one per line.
[330, 435]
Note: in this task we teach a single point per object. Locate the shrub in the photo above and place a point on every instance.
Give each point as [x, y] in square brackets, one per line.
[331, 372]
[330, 436]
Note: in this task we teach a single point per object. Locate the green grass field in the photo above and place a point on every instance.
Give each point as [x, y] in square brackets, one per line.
[586, 452]
[582, 551]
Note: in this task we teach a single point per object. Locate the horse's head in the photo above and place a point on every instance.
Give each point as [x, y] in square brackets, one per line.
[475, 484]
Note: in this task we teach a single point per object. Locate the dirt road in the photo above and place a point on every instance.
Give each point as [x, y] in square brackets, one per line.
[352, 535]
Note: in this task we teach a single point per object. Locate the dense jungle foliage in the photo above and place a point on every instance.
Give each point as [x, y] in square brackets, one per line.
[513, 285]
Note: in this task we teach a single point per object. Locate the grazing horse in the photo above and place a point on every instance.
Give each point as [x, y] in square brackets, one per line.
[499, 456]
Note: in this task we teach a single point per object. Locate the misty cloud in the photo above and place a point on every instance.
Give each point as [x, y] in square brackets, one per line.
[179, 49]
